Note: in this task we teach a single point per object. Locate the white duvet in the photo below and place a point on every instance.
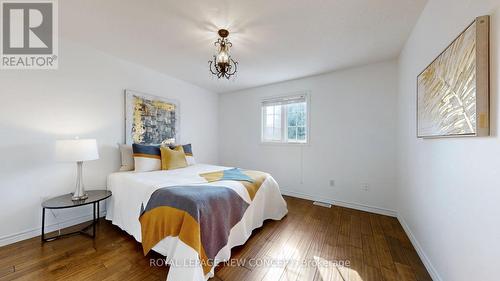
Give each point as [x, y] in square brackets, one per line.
[131, 189]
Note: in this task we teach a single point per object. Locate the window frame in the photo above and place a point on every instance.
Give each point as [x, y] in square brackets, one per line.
[284, 120]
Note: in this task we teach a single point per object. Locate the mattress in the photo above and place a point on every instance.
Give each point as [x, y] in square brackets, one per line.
[131, 192]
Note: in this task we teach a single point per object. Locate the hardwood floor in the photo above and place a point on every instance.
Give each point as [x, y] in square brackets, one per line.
[315, 241]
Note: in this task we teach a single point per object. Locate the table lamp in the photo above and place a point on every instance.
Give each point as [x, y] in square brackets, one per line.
[77, 150]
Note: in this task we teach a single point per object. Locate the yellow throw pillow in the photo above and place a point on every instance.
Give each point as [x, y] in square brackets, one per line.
[173, 158]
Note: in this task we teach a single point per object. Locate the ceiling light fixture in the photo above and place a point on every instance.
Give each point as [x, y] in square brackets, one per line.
[223, 66]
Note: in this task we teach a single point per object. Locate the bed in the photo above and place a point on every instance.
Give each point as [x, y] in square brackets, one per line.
[130, 206]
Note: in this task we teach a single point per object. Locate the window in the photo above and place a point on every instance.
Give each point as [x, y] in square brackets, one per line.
[285, 119]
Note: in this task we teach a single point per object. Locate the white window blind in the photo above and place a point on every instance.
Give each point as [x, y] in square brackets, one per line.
[284, 100]
[285, 119]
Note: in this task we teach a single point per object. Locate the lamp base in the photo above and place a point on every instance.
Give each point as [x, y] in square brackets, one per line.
[80, 198]
[79, 193]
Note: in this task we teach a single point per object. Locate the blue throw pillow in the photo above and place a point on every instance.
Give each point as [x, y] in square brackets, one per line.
[146, 157]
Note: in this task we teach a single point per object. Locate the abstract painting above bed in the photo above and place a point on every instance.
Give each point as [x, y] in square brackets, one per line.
[151, 119]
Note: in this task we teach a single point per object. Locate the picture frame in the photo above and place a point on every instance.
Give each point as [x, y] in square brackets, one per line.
[453, 90]
[151, 119]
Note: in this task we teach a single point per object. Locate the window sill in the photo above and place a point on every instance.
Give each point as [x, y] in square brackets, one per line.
[265, 143]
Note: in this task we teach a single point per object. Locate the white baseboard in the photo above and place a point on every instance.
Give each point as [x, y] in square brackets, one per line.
[30, 233]
[351, 205]
[428, 265]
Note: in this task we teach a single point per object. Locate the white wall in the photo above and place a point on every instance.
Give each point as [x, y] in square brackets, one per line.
[352, 137]
[85, 98]
[449, 189]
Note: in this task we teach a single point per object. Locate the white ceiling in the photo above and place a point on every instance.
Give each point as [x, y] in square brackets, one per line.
[273, 40]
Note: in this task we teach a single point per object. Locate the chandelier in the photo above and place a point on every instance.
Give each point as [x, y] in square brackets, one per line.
[223, 66]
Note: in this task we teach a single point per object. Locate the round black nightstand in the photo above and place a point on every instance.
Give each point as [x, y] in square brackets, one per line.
[64, 202]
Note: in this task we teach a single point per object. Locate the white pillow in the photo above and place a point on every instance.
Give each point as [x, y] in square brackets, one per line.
[127, 156]
[190, 160]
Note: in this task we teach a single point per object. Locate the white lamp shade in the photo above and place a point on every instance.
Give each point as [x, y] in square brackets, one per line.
[76, 150]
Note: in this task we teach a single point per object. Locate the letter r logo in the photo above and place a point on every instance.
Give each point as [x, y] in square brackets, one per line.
[27, 28]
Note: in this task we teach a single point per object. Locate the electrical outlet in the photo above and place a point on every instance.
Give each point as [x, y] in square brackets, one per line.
[332, 182]
[365, 187]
